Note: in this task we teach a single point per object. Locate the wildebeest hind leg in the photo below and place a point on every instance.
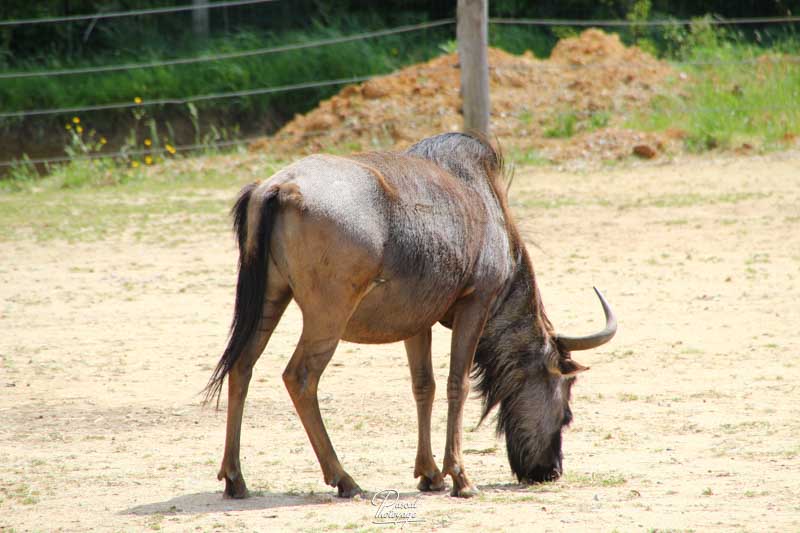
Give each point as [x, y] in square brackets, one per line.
[321, 333]
[423, 386]
[277, 298]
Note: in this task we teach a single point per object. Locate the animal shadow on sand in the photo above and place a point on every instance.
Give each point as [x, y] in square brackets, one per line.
[213, 502]
[507, 487]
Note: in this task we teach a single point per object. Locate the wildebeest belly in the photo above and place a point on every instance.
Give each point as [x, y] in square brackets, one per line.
[390, 312]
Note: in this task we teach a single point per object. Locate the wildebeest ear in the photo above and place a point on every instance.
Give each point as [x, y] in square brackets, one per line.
[570, 367]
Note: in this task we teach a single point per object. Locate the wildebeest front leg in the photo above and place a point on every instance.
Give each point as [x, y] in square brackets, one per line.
[238, 383]
[418, 349]
[468, 323]
[301, 377]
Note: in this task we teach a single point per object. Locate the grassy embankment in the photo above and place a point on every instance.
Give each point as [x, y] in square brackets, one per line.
[203, 121]
[740, 93]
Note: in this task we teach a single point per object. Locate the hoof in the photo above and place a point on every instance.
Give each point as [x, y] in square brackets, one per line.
[434, 484]
[235, 488]
[465, 492]
[347, 488]
[462, 486]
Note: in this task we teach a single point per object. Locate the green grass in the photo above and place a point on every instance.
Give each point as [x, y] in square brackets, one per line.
[753, 426]
[93, 200]
[548, 203]
[526, 157]
[599, 120]
[694, 199]
[730, 105]
[564, 125]
[21, 492]
[595, 479]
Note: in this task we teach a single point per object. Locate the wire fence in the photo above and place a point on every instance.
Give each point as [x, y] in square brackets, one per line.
[130, 13]
[189, 99]
[358, 79]
[716, 21]
[229, 55]
[215, 145]
[364, 36]
[787, 59]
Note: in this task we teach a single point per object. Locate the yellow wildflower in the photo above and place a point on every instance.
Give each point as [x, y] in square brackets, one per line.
[170, 148]
[68, 126]
[137, 100]
[79, 129]
[134, 164]
[103, 140]
[76, 120]
[148, 160]
[148, 142]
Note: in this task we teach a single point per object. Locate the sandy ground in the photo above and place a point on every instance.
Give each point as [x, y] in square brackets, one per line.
[688, 420]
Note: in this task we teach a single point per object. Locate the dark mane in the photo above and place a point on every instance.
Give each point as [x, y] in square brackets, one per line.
[519, 326]
[468, 156]
[518, 330]
[462, 154]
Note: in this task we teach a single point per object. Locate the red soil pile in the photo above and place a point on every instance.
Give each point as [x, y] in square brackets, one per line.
[570, 106]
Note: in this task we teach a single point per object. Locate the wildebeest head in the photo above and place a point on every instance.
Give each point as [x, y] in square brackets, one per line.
[532, 383]
[533, 417]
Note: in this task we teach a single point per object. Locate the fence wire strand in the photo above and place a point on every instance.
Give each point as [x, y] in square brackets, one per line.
[493, 20]
[661, 22]
[358, 79]
[127, 153]
[131, 13]
[188, 99]
[228, 55]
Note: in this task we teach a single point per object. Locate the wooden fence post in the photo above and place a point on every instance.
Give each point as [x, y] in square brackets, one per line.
[472, 32]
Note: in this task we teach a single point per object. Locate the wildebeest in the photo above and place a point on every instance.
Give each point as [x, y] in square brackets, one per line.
[377, 248]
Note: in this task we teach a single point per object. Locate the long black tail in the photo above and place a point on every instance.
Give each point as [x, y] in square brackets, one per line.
[252, 282]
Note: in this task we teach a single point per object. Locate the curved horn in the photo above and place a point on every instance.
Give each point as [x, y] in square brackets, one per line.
[592, 341]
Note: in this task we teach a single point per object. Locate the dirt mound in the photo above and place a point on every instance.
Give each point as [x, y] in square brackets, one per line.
[594, 46]
[548, 106]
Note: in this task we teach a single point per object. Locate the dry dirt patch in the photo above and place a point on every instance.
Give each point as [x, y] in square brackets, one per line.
[687, 420]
